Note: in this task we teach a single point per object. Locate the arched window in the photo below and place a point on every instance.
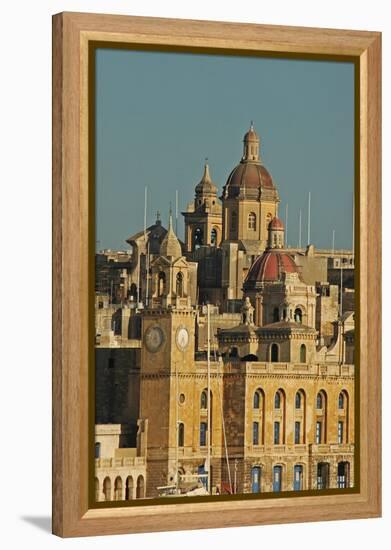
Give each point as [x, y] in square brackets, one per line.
[234, 352]
[277, 400]
[198, 237]
[341, 401]
[97, 494]
[252, 221]
[321, 418]
[298, 400]
[257, 400]
[140, 487]
[181, 434]
[298, 315]
[274, 355]
[204, 400]
[276, 315]
[213, 237]
[129, 488]
[107, 488]
[161, 283]
[234, 221]
[118, 488]
[179, 285]
[303, 354]
[319, 401]
[97, 450]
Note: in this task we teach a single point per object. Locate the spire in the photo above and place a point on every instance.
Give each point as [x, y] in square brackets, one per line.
[170, 246]
[206, 177]
[158, 220]
[206, 184]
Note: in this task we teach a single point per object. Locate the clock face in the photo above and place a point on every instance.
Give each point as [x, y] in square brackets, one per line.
[182, 338]
[154, 338]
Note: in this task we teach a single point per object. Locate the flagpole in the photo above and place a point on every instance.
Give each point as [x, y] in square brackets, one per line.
[309, 219]
[176, 212]
[286, 225]
[300, 228]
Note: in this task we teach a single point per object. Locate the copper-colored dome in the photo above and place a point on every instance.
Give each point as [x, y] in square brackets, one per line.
[276, 224]
[270, 267]
[248, 175]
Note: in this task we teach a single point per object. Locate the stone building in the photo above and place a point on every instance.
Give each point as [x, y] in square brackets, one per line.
[268, 330]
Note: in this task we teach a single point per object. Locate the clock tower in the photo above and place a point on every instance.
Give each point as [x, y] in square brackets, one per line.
[167, 354]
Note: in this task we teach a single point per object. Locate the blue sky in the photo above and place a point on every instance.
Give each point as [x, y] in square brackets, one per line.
[158, 115]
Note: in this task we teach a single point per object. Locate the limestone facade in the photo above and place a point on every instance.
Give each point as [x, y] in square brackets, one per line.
[279, 324]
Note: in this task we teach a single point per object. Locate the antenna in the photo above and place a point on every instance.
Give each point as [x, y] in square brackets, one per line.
[353, 243]
[333, 241]
[176, 212]
[286, 225]
[145, 210]
[300, 228]
[309, 219]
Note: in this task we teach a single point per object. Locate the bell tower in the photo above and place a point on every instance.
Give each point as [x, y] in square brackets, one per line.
[203, 222]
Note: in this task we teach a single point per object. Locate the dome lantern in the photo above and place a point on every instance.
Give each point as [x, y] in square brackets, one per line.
[251, 144]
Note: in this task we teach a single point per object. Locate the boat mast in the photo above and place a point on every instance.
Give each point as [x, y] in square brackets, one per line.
[177, 429]
[209, 400]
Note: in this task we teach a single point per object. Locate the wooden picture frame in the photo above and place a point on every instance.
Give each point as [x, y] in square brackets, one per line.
[72, 284]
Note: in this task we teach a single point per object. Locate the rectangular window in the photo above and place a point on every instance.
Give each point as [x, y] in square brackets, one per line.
[255, 433]
[318, 432]
[276, 433]
[297, 433]
[340, 432]
[203, 430]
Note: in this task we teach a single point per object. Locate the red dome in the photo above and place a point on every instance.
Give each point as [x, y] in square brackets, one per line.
[270, 267]
[276, 224]
[248, 175]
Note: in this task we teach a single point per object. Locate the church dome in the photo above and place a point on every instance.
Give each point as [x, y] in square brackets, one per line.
[170, 247]
[270, 267]
[250, 176]
[276, 224]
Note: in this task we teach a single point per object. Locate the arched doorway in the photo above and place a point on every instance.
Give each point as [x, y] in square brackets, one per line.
[343, 471]
[277, 478]
[140, 487]
[129, 488]
[298, 477]
[107, 488]
[323, 470]
[256, 479]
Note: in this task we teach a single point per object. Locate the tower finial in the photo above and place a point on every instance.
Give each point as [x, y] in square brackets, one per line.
[170, 218]
[158, 216]
[252, 125]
